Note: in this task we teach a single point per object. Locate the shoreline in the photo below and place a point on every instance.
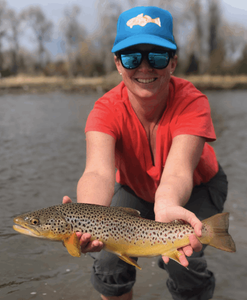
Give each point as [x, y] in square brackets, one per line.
[37, 84]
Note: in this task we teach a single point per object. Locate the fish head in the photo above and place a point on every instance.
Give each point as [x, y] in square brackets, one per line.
[44, 223]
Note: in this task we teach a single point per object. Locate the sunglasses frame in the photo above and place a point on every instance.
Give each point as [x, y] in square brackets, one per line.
[144, 54]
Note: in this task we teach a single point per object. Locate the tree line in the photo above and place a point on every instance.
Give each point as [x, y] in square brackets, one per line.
[207, 43]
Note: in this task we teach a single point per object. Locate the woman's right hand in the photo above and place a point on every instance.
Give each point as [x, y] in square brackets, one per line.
[85, 239]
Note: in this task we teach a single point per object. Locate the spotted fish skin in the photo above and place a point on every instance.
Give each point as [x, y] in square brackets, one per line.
[105, 223]
[122, 230]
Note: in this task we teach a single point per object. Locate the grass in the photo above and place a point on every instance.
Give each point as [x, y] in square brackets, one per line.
[219, 82]
[25, 83]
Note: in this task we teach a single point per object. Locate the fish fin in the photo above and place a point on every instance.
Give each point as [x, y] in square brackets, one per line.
[131, 211]
[157, 21]
[220, 238]
[129, 260]
[173, 254]
[73, 245]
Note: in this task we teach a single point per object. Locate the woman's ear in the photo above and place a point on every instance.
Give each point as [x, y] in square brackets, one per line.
[118, 64]
[174, 62]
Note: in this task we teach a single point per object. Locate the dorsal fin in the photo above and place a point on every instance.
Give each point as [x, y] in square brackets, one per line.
[131, 211]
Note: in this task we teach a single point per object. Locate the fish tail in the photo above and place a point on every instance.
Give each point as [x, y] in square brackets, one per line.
[220, 237]
[157, 21]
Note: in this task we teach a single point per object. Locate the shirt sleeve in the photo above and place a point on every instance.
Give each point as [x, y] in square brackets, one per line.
[103, 118]
[194, 117]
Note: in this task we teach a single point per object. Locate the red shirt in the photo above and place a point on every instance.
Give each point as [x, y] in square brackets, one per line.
[187, 112]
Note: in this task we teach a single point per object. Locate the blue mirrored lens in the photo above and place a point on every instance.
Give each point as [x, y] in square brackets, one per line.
[158, 60]
[131, 60]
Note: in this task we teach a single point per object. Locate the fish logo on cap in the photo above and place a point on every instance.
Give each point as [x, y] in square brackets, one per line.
[143, 21]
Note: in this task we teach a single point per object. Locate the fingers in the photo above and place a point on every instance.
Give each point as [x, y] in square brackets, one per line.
[198, 228]
[187, 250]
[165, 259]
[196, 224]
[195, 244]
[66, 199]
[183, 260]
[173, 213]
[87, 245]
[85, 239]
[179, 213]
[94, 246]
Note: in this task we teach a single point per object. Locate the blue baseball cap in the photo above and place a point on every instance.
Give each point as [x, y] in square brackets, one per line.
[144, 25]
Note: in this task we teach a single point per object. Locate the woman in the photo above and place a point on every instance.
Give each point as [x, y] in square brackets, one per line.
[154, 128]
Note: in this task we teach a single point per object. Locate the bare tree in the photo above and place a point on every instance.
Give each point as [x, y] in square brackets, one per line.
[216, 47]
[235, 39]
[241, 66]
[14, 31]
[74, 34]
[195, 16]
[3, 8]
[214, 24]
[108, 14]
[41, 28]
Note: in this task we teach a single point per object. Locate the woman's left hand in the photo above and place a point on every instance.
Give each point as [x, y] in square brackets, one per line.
[179, 213]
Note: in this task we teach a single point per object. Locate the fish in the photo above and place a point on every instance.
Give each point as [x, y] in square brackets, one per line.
[122, 230]
[143, 21]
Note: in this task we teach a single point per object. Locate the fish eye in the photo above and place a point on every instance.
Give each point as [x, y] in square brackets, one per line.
[35, 221]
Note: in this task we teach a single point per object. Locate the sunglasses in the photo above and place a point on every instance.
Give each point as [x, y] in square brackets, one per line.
[133, 59]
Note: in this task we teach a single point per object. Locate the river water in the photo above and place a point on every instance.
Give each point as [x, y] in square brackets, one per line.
[42, 155]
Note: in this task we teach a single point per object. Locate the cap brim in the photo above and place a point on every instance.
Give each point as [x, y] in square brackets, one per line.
[144, 39]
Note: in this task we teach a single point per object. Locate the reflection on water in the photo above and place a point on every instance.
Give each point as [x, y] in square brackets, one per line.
[42, 156]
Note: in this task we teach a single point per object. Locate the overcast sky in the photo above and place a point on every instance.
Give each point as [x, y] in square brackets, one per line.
[234, 11]
[54, 8]
[242, 4]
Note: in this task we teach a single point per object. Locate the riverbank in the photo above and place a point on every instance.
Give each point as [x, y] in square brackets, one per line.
[33, 84]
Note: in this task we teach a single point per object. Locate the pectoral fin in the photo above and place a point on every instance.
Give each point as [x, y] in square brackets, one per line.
[129, 260]
[73, 245]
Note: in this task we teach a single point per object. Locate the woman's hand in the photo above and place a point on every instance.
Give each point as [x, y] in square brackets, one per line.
[172, 213]
[85, 239]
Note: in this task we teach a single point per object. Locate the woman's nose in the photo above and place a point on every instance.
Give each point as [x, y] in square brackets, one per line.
[145, 66]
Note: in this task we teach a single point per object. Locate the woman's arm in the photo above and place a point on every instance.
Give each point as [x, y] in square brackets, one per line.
[96, 186]
[176, 186]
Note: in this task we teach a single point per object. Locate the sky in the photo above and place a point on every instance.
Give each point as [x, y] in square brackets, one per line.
[241, 4]
[235, 11]
[54, 8]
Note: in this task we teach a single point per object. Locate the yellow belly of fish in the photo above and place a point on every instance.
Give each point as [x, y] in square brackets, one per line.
[125, 250]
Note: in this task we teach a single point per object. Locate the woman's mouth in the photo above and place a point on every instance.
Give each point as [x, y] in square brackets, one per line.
[145, 80]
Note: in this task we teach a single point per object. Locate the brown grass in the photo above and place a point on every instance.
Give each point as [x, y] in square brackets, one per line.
[41, 83]
[219, 82]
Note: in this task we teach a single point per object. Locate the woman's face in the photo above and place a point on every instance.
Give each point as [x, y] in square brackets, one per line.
[145, 81]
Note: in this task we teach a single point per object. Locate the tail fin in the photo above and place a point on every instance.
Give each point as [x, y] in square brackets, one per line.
[157, 21]
[221, 239]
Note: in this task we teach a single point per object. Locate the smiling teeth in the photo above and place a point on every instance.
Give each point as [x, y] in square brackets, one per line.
[146, 80]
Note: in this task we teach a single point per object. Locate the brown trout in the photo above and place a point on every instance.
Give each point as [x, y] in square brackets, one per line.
[122, 230]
